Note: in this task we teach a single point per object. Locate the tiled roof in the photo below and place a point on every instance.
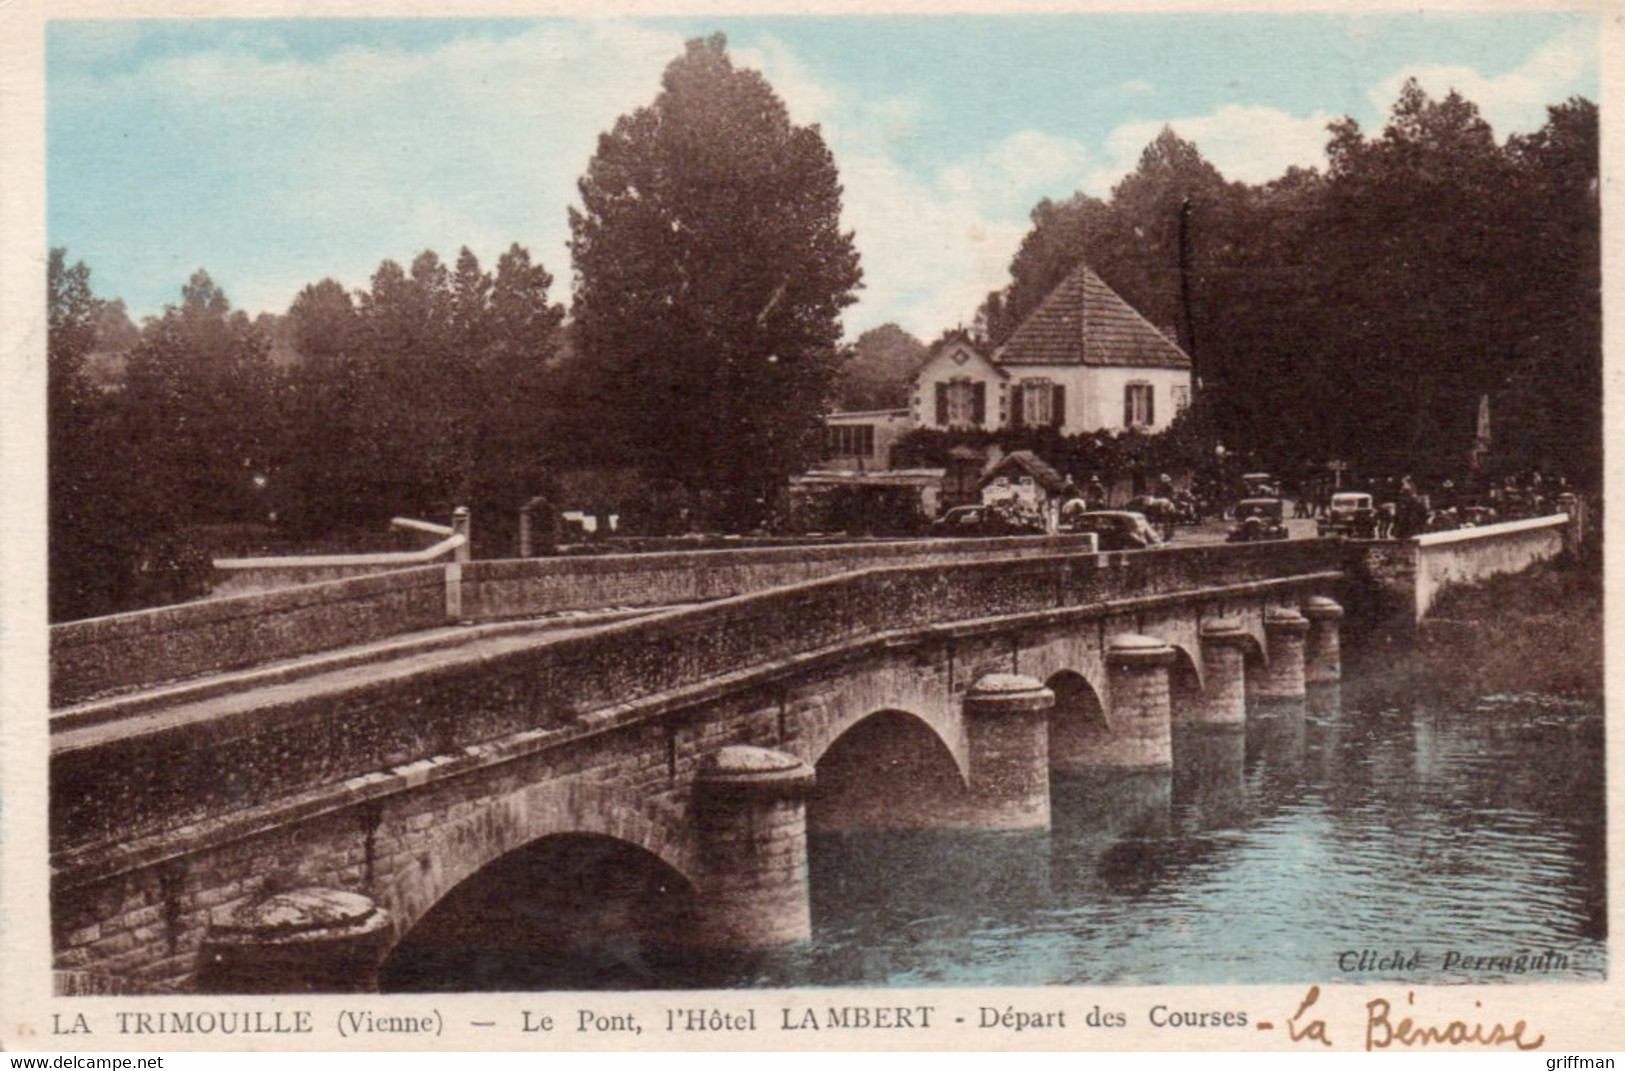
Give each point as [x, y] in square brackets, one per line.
[1083, 321]
[1030, 463]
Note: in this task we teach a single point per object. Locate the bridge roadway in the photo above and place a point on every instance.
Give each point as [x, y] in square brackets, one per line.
[150, 708]
[284, 827]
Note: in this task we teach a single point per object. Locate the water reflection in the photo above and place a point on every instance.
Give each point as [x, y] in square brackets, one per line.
[1360, 817]
[1209, 776]
[1354, 818]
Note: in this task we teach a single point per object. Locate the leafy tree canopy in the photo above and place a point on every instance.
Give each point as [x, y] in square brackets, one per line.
[711, 271]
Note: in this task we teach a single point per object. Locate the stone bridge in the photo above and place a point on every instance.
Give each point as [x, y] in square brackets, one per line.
[289, 834]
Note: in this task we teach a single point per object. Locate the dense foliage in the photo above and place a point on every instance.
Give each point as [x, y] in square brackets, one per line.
[711, 271]
[427, 391]
[1361, 314]
[880, 369]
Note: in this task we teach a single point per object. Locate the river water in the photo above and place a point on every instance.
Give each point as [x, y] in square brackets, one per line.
[1454, 836]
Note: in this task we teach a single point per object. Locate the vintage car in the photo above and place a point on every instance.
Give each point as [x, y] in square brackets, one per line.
[1258, 519]
[1259, 485]
[1114, 529]
[1350, 513]
[985, 520]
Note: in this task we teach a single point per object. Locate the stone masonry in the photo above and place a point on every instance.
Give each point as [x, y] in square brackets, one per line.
[694, 736]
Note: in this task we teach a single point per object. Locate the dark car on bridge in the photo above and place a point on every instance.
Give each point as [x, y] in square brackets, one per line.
[984, 521]
[1258, 519]
[1351, 514]
[1115, 529]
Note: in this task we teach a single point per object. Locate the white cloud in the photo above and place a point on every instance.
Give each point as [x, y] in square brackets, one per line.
[1514, 102]
[1247, 143]
[935, 237]
[479, 142]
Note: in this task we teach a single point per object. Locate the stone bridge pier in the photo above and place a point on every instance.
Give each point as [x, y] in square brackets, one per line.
[1007, 726]
[1224, 664]
[750, 817]
[1282, 675]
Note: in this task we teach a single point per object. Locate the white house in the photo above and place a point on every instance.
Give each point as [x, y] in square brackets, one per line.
[861, 441]
[1083, 361]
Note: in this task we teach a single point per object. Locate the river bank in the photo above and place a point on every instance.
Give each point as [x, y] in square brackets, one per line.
[1536, 631]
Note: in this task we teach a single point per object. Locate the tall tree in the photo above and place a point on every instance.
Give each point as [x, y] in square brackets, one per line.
[1414, 250]
[321, 471]
[516, 409]
[882, 363]
[92, 526]
[711, 270]
[430, 391]
[196, 399]
[1062, 236]
[1549, 404]
[1139, 244]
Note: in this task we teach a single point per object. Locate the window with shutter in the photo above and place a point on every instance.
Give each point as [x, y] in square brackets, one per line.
[942, 405]
[1016, 414]
[964, 404]
[979, 405]
[1036, 398]
[1058, 406]
[1137, 410]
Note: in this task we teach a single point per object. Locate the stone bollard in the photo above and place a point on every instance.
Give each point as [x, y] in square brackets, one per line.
[1141, 716]
[1322, 652]
[1224, 669]
[750, 814]
[310, 940]
[1007, 730]
[1568, 504]
[1282, 678]
[462, 523]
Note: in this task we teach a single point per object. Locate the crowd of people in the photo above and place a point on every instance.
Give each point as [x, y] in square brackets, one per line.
[1405, 506]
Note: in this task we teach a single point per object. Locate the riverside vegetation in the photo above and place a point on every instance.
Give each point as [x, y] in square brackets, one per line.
[1538, 631]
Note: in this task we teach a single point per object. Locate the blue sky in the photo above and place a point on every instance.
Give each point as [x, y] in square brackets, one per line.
[278, 152]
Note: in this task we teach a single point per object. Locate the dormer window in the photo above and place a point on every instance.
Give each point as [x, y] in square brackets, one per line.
[961, 403]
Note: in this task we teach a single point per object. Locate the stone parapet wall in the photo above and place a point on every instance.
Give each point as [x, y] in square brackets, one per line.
[347, 604]
[1472, 554]
[525, 587]
[111, 785]
[280, 578]
[1394, 583]
[122, 651]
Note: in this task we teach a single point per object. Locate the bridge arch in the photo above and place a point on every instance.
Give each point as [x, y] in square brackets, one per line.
[862, 693]
[889, 769]
[1252, 623]
[1185, 683]
[566, 911]
[434, 860]
[1078, 723]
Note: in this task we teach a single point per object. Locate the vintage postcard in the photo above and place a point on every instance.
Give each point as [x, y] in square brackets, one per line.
[672, 527]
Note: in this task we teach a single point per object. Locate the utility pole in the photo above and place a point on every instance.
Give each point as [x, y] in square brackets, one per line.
[1185, 294]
